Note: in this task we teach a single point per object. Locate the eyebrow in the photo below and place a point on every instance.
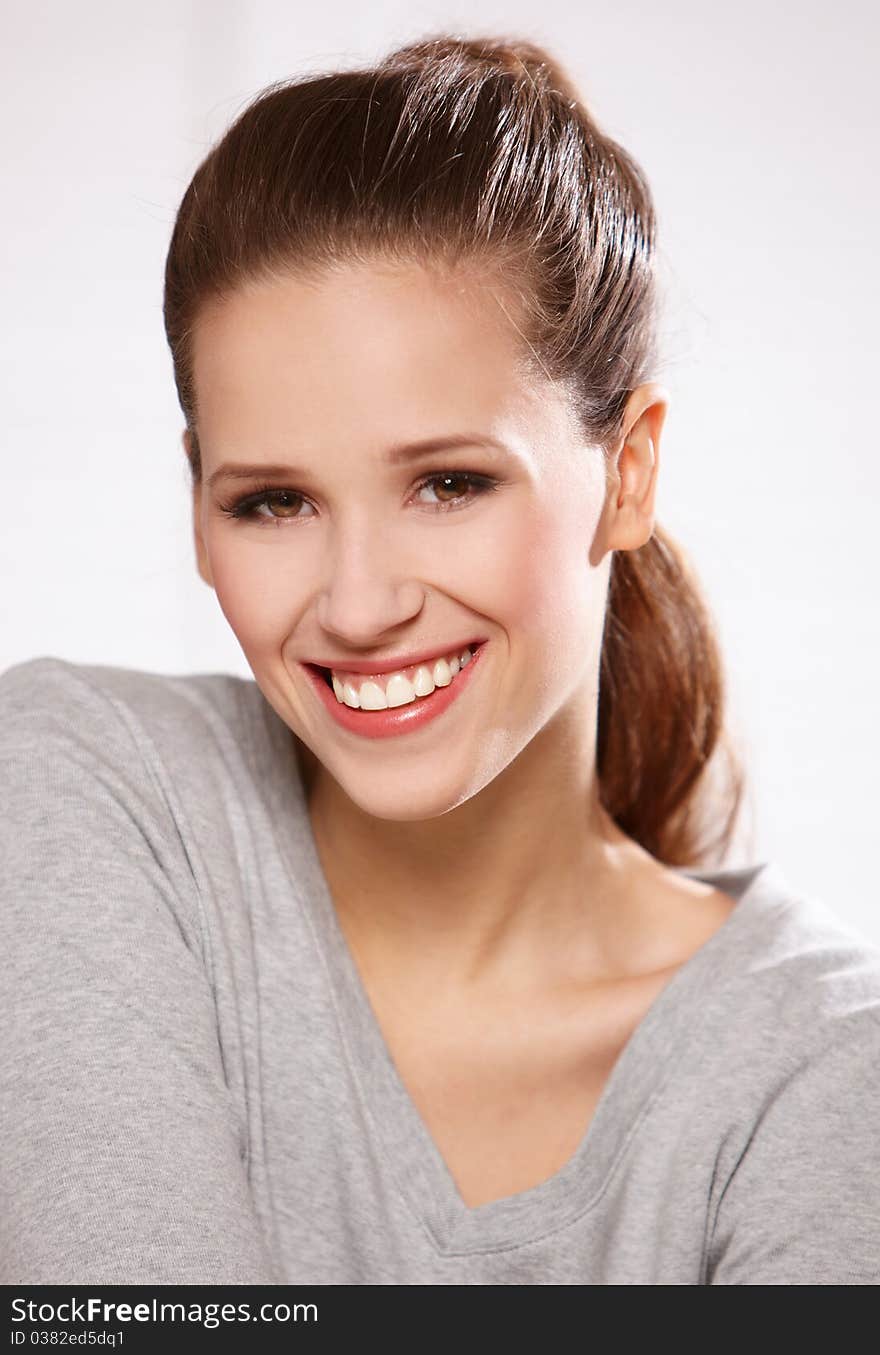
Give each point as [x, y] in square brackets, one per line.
[398, 454]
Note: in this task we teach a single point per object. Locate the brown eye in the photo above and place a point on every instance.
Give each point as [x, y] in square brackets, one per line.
[261, 508]
[454, 485]
[454, 489]
[284, 499]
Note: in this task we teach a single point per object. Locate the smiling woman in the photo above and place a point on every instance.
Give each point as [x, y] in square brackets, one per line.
[385, 564]
[419, 947]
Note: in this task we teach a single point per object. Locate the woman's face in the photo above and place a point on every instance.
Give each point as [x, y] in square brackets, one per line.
[365, 552]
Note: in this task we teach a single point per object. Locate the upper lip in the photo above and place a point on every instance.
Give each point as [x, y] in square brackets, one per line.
[390, 665]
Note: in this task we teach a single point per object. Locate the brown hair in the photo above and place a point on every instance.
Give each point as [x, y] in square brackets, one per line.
[481, 150]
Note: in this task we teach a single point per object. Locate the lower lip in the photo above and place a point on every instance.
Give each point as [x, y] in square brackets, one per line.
[383, 724]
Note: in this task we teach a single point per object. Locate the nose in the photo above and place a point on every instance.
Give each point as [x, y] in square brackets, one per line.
[369, 589]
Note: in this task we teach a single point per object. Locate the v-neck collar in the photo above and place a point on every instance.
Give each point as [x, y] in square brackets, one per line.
[638, 1076]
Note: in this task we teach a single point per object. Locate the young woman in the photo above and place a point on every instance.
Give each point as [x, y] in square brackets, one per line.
[397, 964]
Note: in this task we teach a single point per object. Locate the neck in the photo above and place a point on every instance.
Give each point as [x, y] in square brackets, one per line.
[500, 886]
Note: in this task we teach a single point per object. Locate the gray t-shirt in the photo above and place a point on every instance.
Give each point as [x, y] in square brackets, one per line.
[195, 1089]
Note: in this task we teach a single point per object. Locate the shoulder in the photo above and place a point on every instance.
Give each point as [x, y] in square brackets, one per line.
[791, 1000]
[793, 1024]
[183, 723]
[799, 1202]
[40, 687]
[787, 974]
[153, 772]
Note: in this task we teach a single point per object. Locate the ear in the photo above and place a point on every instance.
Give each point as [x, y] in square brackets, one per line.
[632, 470]
[202, 562]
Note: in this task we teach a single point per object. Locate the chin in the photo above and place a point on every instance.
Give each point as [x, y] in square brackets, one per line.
[408, 799]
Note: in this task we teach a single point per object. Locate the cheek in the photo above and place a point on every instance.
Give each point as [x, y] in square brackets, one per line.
[252, 589]
[528, 570]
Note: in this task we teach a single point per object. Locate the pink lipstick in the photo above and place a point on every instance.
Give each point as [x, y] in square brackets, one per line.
[382, 724]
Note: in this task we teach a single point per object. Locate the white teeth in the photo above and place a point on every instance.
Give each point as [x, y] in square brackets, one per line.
[442, 673]
[372, 696]
[424, 681]
[399, 690]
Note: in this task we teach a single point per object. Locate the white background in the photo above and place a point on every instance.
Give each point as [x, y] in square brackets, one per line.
[757, 127]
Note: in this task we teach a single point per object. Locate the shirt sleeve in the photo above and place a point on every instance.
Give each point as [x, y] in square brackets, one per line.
[123, 1159]
[803, 1203]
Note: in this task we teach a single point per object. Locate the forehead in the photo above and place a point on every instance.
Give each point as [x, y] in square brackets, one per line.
[390, 347]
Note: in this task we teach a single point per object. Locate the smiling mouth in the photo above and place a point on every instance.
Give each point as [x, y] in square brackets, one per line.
[405, 687]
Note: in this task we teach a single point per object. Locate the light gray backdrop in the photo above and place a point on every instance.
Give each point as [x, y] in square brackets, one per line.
[757, 126]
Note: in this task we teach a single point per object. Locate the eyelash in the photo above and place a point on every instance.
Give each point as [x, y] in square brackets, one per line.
[244, 509]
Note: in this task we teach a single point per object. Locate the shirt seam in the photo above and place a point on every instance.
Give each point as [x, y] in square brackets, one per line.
[144, 746]
[838, 1036]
